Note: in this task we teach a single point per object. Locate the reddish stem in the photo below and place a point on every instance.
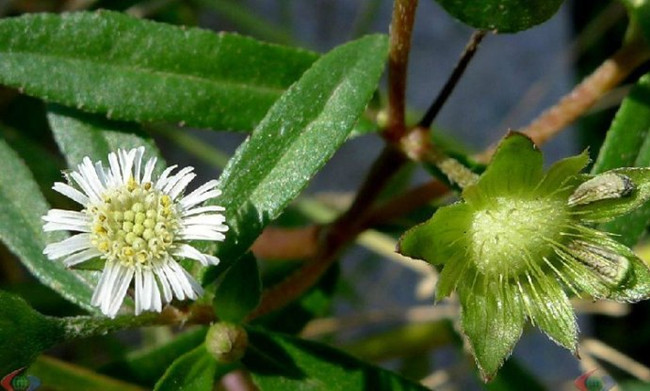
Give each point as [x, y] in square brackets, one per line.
[401, 28]
[607, 76]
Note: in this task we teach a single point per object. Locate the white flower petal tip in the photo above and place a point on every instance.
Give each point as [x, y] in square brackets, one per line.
[140, 225]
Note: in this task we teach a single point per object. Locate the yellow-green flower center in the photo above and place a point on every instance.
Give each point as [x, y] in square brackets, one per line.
[511, 233]
[134, 224]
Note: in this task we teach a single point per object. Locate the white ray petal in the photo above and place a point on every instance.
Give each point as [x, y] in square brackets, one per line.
[101, 173]
[154, 292]
[202, 193]
[59, 226]
[166, 289]
[125, 159]
[105, 284]
[189, 284]
[187, 251]
[92, 194]
[148, 169]
[201, 233]
[116, 173]
[197, 289]
[67, 246]
[139, 292]
[81, 256]
[119, 290]
[210, 220]
[180, 186]
[88, 171]
[174, 179]
[176, 285]
[68, 215]
[202, 209]
[139, 152]
[71, 193]
[162, 180]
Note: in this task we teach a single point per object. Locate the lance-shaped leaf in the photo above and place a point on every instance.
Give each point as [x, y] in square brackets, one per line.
[299, 134]
[21, 229]
[137, 70]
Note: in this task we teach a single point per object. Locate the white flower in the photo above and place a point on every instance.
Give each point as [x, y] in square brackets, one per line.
[139, 225]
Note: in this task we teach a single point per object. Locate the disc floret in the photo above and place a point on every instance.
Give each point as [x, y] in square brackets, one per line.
[135, 225]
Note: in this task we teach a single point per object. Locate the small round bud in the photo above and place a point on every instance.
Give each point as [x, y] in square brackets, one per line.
[226, 342]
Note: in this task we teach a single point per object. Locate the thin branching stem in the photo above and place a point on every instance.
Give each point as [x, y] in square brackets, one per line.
[454, 78]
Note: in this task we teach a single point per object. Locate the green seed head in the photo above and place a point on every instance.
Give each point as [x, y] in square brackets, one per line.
[510, 233]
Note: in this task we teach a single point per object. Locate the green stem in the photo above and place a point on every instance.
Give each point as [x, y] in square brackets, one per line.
[88, 326]
[418, 147]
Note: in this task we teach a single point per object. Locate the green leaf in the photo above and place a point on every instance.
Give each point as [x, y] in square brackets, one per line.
[299, 134]
[239, 292]
[627, 144]
[21, 229]
[504, 16]
[628, 131]
[280, 362]
[517, 166]
[552, 311]
[60, 375]
[195, 370]
[80, 134]
[492, 318]
[562, 171]
[430, 240]
[24, 333]
[137, 70]
[147, 366]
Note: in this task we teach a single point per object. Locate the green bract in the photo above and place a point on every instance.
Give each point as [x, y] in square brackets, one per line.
[519, 236]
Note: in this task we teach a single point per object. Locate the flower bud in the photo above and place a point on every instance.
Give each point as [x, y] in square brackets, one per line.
[226, 342]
